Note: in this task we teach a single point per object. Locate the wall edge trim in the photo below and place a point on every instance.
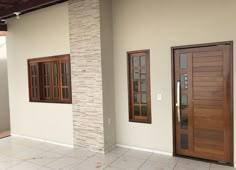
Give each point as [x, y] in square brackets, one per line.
[42, 140]
[144, 149]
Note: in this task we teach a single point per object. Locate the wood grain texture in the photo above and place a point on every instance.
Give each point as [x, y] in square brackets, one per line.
[209, 109]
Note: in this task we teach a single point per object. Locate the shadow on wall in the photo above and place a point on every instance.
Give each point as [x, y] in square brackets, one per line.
[4, 99]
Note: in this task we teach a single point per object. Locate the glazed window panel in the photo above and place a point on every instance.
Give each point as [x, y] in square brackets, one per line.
[50, 79]
[65, 77]
[139, 86]
[34, 81]
[56, 80]
[46, 80]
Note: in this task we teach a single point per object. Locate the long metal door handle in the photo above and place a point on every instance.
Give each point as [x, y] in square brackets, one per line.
[178, 100]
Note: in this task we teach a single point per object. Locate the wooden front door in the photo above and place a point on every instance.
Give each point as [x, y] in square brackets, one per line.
[203, 115]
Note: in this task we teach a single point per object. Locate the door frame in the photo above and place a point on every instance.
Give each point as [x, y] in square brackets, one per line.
[230, 43]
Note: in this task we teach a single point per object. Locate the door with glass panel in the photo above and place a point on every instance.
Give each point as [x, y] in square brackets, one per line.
[203, 101]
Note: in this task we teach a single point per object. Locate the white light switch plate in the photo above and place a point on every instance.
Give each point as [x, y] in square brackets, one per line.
[159, 97]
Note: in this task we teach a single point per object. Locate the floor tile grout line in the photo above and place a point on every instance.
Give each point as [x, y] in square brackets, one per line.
[79, 159]
[46, 151]
[118, 157]
[16, 155]
[175, 166]
[145, 160]
[14, 165]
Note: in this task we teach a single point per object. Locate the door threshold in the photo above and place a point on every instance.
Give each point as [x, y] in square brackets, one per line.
[205, 160]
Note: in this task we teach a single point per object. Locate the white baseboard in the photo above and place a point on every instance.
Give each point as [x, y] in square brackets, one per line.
[146, 150]
[42, 140]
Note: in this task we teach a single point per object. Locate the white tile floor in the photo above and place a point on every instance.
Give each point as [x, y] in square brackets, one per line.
[24, 154]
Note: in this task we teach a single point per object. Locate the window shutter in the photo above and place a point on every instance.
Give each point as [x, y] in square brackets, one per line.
[65, 81]
[34, 86]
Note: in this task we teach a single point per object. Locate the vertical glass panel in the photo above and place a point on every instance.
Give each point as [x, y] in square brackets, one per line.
[143, 62]
[143, 74]
[144, 110]
[63, 80]
[55, 81]
[44, 81]
[67, 93]
[45, 92]
[67, 80]
[184, 121]
[136, 98]
[184, 81]
[184, 141]
[63, 93]
[143, 86]
[67, 68]
[136, 74]
[144, 98]
[65, 77]
[184, 101]
[48, 68]
[136, 111]
[135, 62]
[36, 70]
[33, 93]
[32, 80]
[48, 80]
[183, 61]
[64, 83]
[36, 90]
[32, 70]
[36, 81]
[62, 68]
[48, 92]
[55, 68]
[135, 86]
[55, 92]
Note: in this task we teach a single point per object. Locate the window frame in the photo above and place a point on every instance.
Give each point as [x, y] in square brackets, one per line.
[132, 116]
[51, 60]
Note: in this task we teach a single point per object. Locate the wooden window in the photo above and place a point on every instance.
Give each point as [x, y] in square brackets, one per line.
[49, 79]
[139, 86]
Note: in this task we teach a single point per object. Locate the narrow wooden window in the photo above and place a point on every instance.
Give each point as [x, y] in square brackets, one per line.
[139, 86]
[55, 81]
[65, 80]
[34, 81]
[46, 80]
[49, 79]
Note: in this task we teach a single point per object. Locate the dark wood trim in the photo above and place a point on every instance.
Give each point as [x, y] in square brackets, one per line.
[48, 58]
[132, 118]
[230, 43]
[3, 27]
[202, 45]
[28, 6]
[39, 61]
[173, 99]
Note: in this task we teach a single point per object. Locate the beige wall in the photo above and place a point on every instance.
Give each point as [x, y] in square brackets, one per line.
[158, 25]
[108, 73]
[37, 34]
[4, 101]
